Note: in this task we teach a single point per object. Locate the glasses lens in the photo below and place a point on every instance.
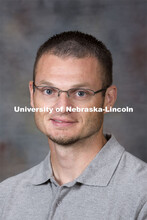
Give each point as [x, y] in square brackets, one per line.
[49, 91]
[80, 94]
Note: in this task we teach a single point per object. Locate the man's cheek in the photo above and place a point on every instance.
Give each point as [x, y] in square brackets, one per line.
[39, 117]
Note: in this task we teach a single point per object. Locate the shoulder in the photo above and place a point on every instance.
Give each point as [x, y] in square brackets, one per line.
[129, 183]
[130, 170]
[132, 176]
[21, 177]
[20, 181]
[133, 166]
[20, 188]
[129, 167]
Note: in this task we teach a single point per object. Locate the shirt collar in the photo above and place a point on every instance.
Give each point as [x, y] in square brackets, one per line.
[43, 172]
[98, 173]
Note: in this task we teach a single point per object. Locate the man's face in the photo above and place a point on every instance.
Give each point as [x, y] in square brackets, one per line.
[66, 128]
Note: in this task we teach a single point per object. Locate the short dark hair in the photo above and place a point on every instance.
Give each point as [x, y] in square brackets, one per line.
[80, 45]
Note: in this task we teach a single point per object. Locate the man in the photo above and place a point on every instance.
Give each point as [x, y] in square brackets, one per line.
[86, 175]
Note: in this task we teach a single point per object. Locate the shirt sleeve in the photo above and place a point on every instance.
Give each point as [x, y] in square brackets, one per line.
[143, 213]
[3, 196]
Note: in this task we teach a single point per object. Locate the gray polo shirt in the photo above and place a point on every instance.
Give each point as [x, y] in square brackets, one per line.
[112, 187]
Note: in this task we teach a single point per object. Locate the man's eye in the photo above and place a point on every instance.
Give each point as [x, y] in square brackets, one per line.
[81, 93]
[48, 91]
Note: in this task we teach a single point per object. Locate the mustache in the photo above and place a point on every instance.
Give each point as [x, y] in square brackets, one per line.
[68, 116]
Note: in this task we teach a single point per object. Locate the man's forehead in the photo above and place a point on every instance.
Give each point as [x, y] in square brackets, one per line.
[51, 61]
[49, 58]
[84, 69]
[73, 85]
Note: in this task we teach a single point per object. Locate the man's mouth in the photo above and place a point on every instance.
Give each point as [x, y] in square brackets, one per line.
[62, 122]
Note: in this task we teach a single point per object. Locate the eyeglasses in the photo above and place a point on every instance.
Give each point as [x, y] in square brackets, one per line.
[77, 94]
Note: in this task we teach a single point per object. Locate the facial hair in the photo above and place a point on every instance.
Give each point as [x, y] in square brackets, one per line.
[92, 129]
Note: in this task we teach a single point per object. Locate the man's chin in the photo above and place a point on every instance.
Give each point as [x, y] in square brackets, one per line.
[64, 141]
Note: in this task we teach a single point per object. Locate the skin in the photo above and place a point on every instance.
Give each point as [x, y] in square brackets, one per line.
[78, 137]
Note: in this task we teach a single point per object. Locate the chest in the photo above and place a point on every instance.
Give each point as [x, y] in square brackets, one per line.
[50, 202]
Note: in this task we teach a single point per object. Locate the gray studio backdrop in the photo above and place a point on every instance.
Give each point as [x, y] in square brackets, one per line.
[25, 24]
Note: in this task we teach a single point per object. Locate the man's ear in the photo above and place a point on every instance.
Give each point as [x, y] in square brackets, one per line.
[110, 97]
[31, 89]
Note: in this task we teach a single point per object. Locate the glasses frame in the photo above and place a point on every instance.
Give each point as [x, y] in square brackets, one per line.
[67, 91]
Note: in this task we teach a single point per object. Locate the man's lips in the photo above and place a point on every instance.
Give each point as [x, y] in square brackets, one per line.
[62, 122]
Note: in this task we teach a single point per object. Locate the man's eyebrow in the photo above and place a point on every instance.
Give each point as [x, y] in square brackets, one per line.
[78, 85]
[45, 83]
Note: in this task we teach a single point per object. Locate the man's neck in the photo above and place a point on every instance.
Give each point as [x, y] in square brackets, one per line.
[68, 162]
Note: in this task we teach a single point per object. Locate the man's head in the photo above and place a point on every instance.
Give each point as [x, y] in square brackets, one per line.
[68, 61]
[78, 45]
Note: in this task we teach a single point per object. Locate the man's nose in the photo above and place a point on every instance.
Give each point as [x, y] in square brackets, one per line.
[62, 91]
[63, 100]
